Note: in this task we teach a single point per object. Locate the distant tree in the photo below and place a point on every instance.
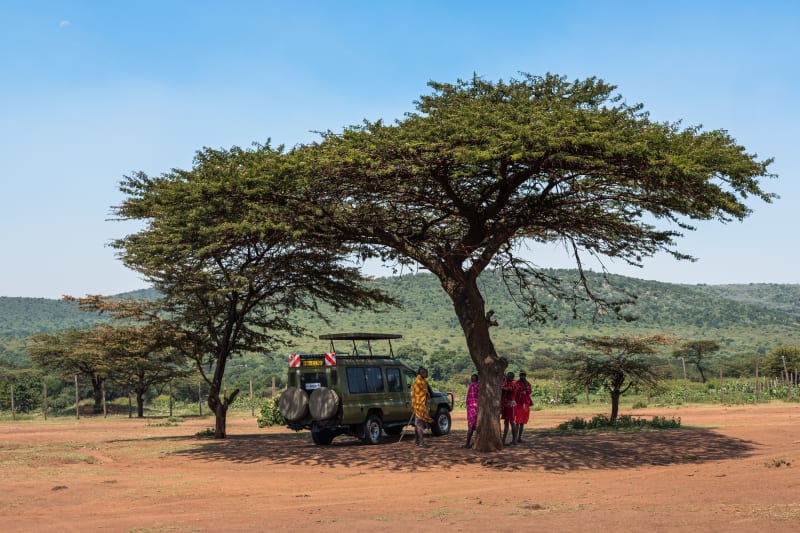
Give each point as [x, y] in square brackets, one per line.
[697, 353]
[616, 363]
[140, 357]
[774, 361]
[481, 169]
[27, 385]
[70, 352]
[229, 268]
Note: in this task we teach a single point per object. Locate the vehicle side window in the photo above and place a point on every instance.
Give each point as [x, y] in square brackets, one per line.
[361, 380]
[393, 380]
[356, 382]
[374, 379]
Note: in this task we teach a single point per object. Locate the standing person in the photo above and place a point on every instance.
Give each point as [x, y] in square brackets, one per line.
[523, 411]
[508, 403]
[420, 394]
[472, 407]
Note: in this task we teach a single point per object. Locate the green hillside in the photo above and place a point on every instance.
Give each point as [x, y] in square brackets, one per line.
[745, 319]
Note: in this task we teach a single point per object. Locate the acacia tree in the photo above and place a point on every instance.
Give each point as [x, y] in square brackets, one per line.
[69, 352]
[481, 168]
[140, 358]
[697, 353]
[229, 269]
[616, 363]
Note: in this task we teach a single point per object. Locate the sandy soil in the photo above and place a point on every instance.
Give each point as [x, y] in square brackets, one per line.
[729, 469]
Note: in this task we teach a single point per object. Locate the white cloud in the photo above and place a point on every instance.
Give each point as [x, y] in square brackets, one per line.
[64, 24]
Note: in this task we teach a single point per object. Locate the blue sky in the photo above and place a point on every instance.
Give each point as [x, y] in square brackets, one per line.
[93, 91]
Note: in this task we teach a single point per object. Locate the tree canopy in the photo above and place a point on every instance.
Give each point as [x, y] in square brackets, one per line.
[229, 265]
[616, 363]
[697, 352]
[482, 168]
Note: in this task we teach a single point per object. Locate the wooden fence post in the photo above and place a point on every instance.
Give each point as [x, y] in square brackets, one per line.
[103, 388]
[758, 383]
[788, 381]
[77, 400]
[721, 393]
[44, 394]
[252, 404]
[685, 384]
[273, 386]
[13, 410]
[199, 399]
[170, 399]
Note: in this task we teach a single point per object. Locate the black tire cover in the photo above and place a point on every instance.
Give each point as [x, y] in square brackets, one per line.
[293, 403]
[323, 404]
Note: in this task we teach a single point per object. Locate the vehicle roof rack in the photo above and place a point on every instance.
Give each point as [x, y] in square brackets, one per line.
[369, 337]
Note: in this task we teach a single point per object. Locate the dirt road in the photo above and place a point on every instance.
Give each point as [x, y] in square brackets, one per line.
[729, 469]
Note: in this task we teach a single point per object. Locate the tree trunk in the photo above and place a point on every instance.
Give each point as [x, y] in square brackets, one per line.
[140, 404]
[220, 409]
[97, 394]
[470, 309]
[702, 374]
[615, 395]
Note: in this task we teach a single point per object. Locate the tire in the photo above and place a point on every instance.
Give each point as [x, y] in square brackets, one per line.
[441, 422]
[372, 429]
[322, 437]
[293, 404]
[323, 403]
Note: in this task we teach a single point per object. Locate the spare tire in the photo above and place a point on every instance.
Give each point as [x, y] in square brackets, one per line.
[293, 404]
[323, 404]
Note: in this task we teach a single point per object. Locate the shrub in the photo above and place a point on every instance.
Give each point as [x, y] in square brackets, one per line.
[622, 422]
[269, 414]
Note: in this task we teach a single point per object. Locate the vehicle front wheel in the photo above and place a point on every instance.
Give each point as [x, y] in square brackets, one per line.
[441, 422]
[372, 429]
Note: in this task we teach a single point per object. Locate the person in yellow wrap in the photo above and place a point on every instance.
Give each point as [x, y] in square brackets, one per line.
[419, 404]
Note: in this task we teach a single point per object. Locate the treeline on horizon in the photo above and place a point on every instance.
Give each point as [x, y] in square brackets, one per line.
[746, 320]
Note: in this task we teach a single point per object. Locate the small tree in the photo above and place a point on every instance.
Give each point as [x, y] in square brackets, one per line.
[229, 268]
[73, 351]
[774, 361]
[140, 358]
[697, 353]
[617, 363]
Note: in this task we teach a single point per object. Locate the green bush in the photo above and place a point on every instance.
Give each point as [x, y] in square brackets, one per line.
[622, 422]
[269, 414]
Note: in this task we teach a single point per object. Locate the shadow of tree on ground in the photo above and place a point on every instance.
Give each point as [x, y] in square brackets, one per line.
[546, 451]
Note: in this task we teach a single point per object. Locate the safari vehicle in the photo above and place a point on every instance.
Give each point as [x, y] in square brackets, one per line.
[356, 392]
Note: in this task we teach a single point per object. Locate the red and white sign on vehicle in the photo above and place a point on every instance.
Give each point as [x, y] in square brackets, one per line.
[294, 360]
[330, 359]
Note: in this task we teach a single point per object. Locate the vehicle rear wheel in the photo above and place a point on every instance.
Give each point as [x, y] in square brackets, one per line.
[441, 422]
[372, 429]
[322, 437]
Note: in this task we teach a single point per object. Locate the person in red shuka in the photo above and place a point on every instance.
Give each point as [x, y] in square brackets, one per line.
[522, 412]
[508, 403]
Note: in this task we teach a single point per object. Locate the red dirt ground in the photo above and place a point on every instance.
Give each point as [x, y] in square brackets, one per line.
[729, 469]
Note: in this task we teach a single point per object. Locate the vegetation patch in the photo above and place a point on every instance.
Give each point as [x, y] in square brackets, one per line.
[208, 432]
[270, 414]
[602, 422]
[169, 422]
[777, 463]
